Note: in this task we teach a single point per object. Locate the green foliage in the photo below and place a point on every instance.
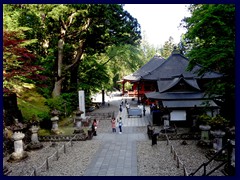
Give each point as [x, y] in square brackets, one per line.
[167, 48]
[218, 122]
[56, 103]
[66, 103]
[211, 37]
[203, 119]
[31, 103]
[210, 41]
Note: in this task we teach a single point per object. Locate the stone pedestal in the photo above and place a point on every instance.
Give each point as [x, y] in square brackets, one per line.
[55, 124]
[18, 153]
[78, 121]
[166, 121]
[233, 153]
[205, 129]
[217, 142]
[35, 144]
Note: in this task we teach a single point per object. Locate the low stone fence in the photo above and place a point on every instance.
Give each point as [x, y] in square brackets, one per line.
[54, 138]
[55, 155]
[184, 136]
[101, 115]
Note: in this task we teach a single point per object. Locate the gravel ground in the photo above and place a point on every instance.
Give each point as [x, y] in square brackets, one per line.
[158, 160]
[154, 160]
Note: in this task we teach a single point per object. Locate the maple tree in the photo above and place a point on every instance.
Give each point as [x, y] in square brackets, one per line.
[18, 62]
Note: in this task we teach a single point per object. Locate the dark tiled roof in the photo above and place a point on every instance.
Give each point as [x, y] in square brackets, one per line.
[165, 84]
[188, 103]
[176, 65]
[152, 64]
[176, 95]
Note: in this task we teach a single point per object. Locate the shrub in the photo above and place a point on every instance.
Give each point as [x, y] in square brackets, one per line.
[218, 122]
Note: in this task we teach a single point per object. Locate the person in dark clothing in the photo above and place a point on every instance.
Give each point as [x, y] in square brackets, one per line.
[120, 108]
[154, 138]
[94, 127]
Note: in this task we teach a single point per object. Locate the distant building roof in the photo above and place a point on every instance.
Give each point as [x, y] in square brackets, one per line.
[165, 84]
[188, 103]
[152, 64]
[176, 95]
[176, 65]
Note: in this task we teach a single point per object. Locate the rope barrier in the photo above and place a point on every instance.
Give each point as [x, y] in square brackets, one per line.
[34, 172]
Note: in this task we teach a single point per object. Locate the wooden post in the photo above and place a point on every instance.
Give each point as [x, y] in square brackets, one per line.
[174, 155]
[65, 149]
[47, 164]
[177, 162]
[185, 171]
[35, 171]
[57, 155]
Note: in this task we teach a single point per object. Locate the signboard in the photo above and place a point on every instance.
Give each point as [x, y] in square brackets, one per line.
[178, 115]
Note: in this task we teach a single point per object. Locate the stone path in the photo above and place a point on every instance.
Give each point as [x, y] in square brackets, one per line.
[118, 154]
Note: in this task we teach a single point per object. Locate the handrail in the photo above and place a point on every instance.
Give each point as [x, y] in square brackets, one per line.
[204, 165]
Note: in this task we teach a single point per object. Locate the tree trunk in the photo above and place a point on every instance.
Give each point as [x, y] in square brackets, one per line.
[59, 79]
[58, 82]
[57, 88]
[74, 75]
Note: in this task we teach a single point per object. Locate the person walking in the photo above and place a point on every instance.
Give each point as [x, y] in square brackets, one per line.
[127, 106]
[120, 124]
[94, 127]
[113, 121]
[154, 137]
[120, 108]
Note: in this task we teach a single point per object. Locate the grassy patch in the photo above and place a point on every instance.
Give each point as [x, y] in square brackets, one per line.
[30, 102]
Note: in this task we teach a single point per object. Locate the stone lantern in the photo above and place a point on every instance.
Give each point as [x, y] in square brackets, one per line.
[166, 121]
[78, 121]
[35, 144]
[78, 118]
[205, 129]
[55, 120]
[18, 153]
[217, 142]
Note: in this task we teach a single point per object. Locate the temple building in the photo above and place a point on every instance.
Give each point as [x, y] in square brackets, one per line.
[168, 84]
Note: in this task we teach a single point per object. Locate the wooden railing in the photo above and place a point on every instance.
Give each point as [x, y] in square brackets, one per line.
[227, 147]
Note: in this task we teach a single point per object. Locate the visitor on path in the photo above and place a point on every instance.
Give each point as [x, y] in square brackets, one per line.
[94, 127]
[154, 138]
[120, 124]
[122, 102]
[127, 106]
[120, 108]
[113, 121]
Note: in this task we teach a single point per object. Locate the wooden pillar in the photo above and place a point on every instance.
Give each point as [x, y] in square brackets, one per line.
[138, 87]
[103, 97]
[123, 88]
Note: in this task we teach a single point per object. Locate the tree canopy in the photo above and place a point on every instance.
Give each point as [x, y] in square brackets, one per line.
[18, 62]
[210, 41]
[67, 34]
